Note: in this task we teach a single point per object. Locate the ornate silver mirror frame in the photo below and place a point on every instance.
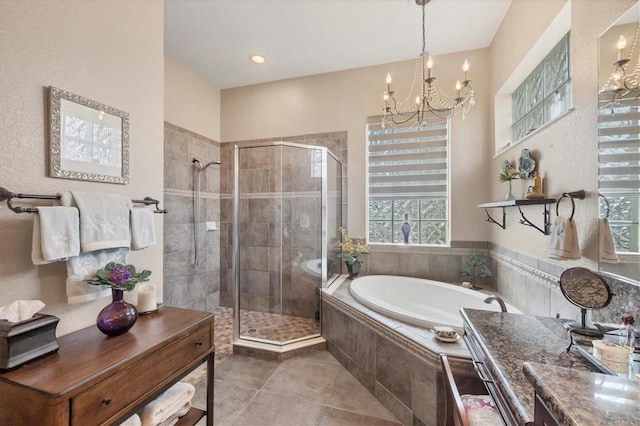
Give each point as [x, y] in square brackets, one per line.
[88, 140]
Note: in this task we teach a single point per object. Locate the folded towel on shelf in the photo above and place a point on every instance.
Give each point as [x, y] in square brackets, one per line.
[143, 229]
[85, 266]
[104, 220]
[564, 240]
[175, 417]
[167, 404]
[56, 234]
[606, 244]
[132, 421]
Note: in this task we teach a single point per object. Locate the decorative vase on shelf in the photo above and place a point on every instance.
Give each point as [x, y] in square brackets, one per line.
[510, 195]
[118, 316]
[354, 269]
[406, 229]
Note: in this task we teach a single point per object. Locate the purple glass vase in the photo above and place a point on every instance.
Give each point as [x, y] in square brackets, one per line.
[118, 316]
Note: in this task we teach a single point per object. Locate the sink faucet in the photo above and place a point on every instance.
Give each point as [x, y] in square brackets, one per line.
[490, 299]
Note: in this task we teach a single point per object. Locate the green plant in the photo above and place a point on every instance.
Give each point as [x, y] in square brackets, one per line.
[508, 173]
[351, 249]
[477, 260]
[119, 276]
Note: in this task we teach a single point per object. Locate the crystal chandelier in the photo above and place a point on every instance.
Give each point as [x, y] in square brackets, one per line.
[431, 101]
[622, 81]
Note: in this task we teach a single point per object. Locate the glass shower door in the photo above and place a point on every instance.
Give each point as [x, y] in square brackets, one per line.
[279, 215]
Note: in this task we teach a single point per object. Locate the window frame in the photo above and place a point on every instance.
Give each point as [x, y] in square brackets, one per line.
[519, 127]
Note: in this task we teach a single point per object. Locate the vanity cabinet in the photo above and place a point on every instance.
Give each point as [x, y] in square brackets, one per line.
[94, 379]
[500, 343]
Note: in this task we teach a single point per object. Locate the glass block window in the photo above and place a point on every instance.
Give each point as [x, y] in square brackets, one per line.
[408, 182]
[544, 94]
[619, 169]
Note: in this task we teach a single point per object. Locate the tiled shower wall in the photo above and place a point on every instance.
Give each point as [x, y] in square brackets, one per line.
[186, 285]
[280, 224]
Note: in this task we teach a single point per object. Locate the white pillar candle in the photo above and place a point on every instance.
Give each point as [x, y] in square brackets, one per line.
[147, 298]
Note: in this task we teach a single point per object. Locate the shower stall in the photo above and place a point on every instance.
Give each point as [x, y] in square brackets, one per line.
[287, 211]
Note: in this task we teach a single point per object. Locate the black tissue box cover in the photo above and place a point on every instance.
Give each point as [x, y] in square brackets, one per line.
[23, 341]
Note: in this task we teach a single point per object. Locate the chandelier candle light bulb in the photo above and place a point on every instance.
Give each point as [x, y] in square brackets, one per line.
[621, 44]
[465, 68]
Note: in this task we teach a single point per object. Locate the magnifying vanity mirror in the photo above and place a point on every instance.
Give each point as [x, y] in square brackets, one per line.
[586, 290]
[88, 140]
[619, 146]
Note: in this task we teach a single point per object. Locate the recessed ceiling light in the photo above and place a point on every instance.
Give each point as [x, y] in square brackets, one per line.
[259, 59]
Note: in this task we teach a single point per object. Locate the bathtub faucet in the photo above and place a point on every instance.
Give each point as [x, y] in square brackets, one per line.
[490, 299]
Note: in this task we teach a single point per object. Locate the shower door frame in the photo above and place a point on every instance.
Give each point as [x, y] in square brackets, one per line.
[235, 258]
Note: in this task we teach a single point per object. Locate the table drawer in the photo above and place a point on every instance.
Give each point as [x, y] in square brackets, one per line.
[124, 389]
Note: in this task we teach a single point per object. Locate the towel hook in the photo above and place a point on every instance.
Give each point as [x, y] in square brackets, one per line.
[608, 206]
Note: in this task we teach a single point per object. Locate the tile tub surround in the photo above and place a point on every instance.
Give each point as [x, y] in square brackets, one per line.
[185, 285]
[532, 285]
[397, 362]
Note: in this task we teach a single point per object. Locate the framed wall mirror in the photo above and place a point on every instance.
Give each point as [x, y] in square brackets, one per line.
[619, 146]
[87, 140]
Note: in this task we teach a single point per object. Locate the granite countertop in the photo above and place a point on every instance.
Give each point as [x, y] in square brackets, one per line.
[509, 340]
[578, 397]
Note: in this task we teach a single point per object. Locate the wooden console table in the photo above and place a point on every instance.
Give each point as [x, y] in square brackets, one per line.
[94, 379]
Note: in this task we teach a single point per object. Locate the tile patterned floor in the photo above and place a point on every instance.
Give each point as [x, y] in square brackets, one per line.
[311, 389]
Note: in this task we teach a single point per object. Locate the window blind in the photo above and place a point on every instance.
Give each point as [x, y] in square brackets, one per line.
[619, 168]
[619, 146]
[407, 162]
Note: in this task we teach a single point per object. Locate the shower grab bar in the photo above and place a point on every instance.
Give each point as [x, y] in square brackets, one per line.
[5, 194]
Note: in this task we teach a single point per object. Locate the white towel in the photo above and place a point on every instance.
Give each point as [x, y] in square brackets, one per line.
[564, 240]
[59, 233]
[167, 404]
[606, 244]
[143, 229]
[36, 245]
[132, 421]
[66, 199]
[104, 220]
[85, 266]
[173, 419]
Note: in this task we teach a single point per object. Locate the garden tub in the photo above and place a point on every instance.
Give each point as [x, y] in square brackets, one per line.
[418, 301]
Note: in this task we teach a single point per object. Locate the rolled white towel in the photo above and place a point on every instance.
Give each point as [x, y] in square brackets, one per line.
[132, 421]
[167, 404]
[172, 420]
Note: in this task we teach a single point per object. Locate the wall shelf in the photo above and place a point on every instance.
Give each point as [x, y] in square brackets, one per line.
[544, 202]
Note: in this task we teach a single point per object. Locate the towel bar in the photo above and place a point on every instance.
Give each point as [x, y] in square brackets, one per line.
[5, 194]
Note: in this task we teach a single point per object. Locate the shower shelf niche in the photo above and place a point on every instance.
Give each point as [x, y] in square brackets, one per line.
[544, 202]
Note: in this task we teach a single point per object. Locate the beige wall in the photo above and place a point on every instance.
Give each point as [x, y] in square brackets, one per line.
[190, 102]
[343, 100]
[111, 52]
[566, 151]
